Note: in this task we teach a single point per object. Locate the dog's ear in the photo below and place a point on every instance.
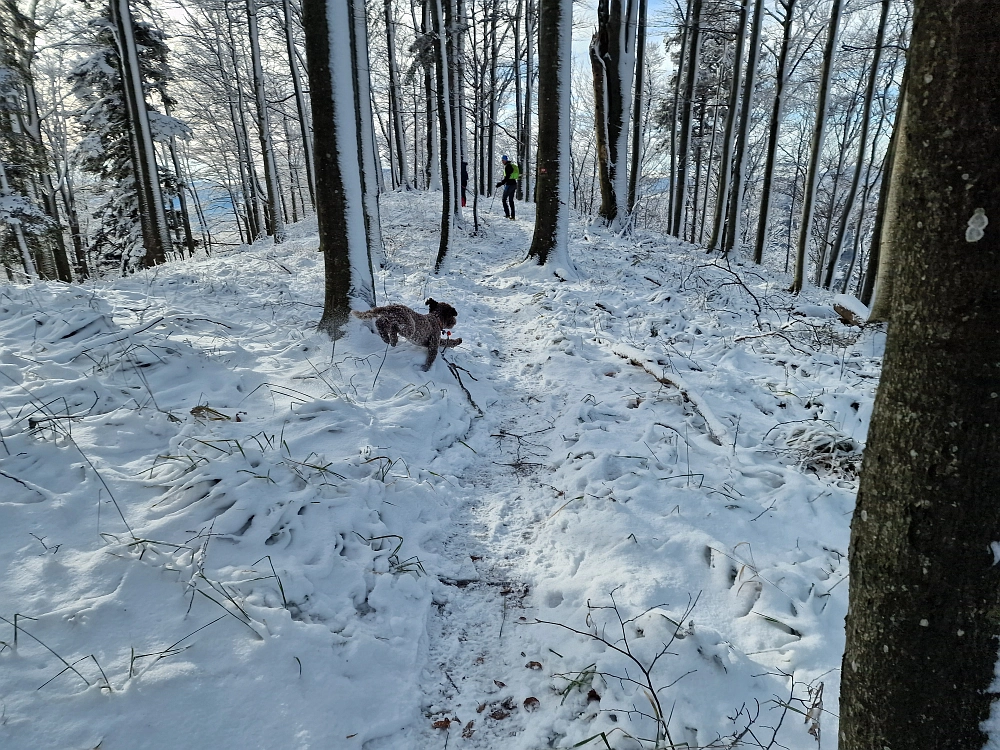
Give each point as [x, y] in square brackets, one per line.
[431, 303]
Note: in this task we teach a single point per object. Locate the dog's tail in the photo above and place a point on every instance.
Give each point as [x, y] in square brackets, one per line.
[365, 314]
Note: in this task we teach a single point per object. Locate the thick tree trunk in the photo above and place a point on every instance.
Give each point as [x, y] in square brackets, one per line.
[819, 132]
[339, 188]
[764, 215]
[923, 624]
[555, 65]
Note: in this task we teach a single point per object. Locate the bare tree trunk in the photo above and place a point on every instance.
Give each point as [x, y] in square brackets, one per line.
[155, 236]
[442, 64]
[763, 218]
[879, 274]
[339, 181]
[726, 162]
[524, 188]
[612, 58]
[494, 103]
[838, 243]
[264, 129]
[368, 163]
[734, 230]
[396, 99]
[680, 188]
[681, 74]
[819, 132]
[237, 105]
[637, 108]
[555, 50]
[922, 625]
[300, 101]
[711, 153]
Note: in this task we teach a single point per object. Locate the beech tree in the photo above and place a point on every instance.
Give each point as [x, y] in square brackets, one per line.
[340, 186]
[555, 73]
[922, 623]
[612, 58]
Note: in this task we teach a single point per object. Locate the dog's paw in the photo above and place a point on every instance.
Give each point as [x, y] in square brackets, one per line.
[448, 343]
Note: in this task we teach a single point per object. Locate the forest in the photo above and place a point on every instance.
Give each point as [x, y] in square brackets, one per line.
[704, 461]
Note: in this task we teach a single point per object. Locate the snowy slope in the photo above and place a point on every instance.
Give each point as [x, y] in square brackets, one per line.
[228, 532]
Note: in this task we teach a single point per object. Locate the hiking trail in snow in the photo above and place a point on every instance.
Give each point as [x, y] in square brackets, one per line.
[236, 534]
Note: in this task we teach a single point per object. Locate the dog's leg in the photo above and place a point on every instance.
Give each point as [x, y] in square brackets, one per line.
[432, 352]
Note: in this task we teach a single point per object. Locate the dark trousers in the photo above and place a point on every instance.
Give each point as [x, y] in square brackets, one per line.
[508, 199]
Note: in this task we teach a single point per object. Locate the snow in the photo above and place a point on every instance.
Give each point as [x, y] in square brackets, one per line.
[977, 224]
[238, 535]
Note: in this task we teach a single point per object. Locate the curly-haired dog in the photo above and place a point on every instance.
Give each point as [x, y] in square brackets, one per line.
[393, 321]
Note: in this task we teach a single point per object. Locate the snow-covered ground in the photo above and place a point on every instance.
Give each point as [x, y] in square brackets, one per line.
[627, 522]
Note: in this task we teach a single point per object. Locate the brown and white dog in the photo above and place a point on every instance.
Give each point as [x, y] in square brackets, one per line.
[393, 321]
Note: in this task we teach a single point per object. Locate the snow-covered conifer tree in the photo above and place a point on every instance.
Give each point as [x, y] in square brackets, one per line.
[133, 230]
[28, 170]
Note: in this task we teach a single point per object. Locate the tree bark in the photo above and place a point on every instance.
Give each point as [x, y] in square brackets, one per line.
[339, 189]
[555, 55]
[612, 53]
[879, 279]
[924, 613]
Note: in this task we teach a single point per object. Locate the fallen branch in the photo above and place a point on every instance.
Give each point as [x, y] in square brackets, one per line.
[716, 430]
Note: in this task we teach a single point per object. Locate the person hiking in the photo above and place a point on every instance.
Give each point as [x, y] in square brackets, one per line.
[465, 180]
[509, 184]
